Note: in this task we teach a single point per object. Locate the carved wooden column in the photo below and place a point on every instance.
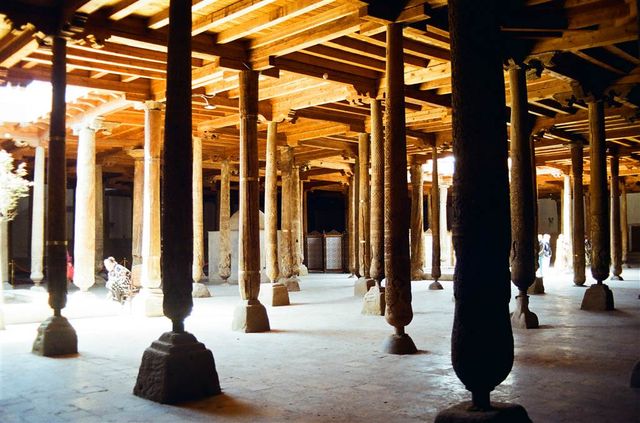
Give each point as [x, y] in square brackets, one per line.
[37, 219]
[624, 224]
[434, 223]
[99, 256]
[197, 274]
[279, 293]
[224, 263]
[84, 234]
[523, 231]
[300, 200]
[598, 296]
[616, 233]
[137, 215]
[377, 192]
[56, 336]
[290, 279]
[354, 235]
[481, 341]
[397, 264]
[250, 315]
[365, 282]
[158, 379]
[579, 276]
[567, 222]
[446, 243]
[296, 224]
[417, 225]
[148, 302]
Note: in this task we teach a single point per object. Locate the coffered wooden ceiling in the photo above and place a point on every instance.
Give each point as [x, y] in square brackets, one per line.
[320, 62]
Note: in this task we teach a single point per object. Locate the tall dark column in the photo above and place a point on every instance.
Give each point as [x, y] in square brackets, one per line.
[377, 192]
[579, 276]
[523, 233]
[482, 341]
[417, 218]
[157, 377]
[56, 336]
[434, 223]
[250, 315]
[616, 233]
[396, 213]
[598, 296]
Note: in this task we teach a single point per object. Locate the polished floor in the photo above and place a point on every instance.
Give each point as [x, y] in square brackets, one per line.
[322, 361]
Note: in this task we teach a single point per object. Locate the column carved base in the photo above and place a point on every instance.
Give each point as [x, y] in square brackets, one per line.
[279, 295]
[177, 368]
[148, 303]
[616, 278]
[55, 337]
[374, 302]
[500, 413]
[250, 316]
[537, 287]
[435, 285]
[200, 290]
[362, 286]
[399, 345]
[292, 283]
[522, 317]
[598, 297]
[304, 271]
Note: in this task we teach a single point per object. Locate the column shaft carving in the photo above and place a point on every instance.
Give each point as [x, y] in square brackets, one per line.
[579, 276]
[271, 203]
[37, 219]
[224, 264]
[616, 233]
[417, 203]
[377, 192]
[363, 205]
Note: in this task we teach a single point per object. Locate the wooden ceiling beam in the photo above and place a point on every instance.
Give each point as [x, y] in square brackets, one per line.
[226, 14]
[161, 19]
[355, 45]
[124, 8]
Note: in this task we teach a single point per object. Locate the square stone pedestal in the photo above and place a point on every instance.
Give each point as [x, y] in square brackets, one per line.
[374, 302]
[55, 337]
[598, 297]
[148, 303]
[292, 284]
[279, 295]
[537, 287]
[177, 368]
[501, 413]
[362, 286]
[250, 316]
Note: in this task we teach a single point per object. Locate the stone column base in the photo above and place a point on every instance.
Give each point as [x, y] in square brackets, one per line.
[200, 290]
[362, 286]
[374, 302]
[500, 413]
[598, 297]
[522, 317]
[303, 270]
[418, 275]
[616, 278]
[292, 284]
[55, 337]
[435, 285]
[148, 303]
[279, 295]
[250, 316]
[537, 287]
[399, 344]
[177, 368]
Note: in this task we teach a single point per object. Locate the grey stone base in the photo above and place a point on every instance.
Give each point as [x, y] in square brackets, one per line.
[200, 290]
[616, 278]
[38, 288]
[501, 413]
[374, 302]
[250, 317]
[148, 303]
[292, 284]
[435, 285]
[177, 368]
[399, 344]
[598, 297]
[304, 271]
[522, 317]
[362, 286]
[279, 295]
[635, 376]
[55, 337]
[537, 287]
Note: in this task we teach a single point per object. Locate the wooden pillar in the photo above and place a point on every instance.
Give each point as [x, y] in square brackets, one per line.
[481, 340]
[523, 232]
[579, 276]
[37, 218]
[250, 315]
[567, 222]
[598, 296]
[99, 256]
[55, 335]
[197, 273]
[417, 225]
[616, 233]
[434, 223]
[397, 263]
[224, 264]
[354, 211]
[624, 224]
[363, 283]
[285, 214]
[295, 219]
[377, 193]
[137, 215]
[158, 379]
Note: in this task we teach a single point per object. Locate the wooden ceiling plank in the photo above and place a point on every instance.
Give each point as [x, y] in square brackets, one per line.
[125, 8]
[227, 14]
[588, 39]
[161, 19]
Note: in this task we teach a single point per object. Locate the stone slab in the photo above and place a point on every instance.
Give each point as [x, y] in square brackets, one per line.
[399, 345]
[501, 413]
[250, 317]
[292, 284]
[177, 368]
[362, 286]
[435, 286]
[598, 297]
[374, 302]
[279, 295]
[55, 337]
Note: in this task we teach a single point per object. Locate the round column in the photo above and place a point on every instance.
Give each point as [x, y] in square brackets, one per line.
[434, 223]
[579, 277]
[417, 203]
[624, 224]
[99, 219]
[616, 233]
[224, 264]
[37, 218]
[365, 282]
[197, 274]
[377, 192]
[137, 215]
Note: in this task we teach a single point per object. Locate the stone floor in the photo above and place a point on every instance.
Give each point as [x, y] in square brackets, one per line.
[322, 361]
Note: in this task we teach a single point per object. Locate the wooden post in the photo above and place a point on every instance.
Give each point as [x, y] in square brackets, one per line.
[197, 272]
[579, 277]
[417, 225]
[250, 315]
[523, 233]
[363, 258]
[616, 233]
[224, 263]
[377, 193]
[37, 220]
[434, 224]
[396, 214]
[598, 296]
[624, 224]
[56, 336]
[481, 340]
[137, 220]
